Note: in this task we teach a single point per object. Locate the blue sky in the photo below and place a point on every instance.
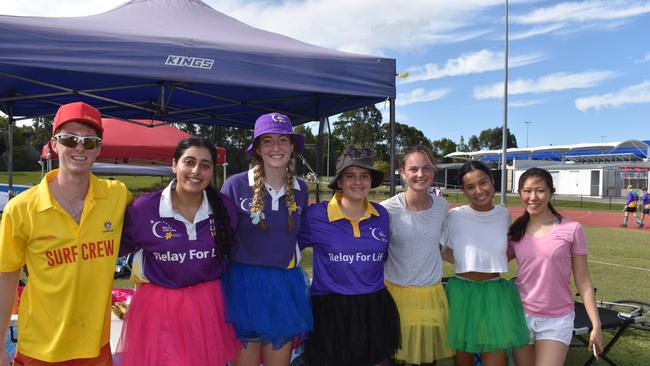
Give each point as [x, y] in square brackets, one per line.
[579, 71]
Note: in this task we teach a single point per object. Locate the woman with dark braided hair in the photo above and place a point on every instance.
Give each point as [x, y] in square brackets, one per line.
[181, 237]
[266, 291]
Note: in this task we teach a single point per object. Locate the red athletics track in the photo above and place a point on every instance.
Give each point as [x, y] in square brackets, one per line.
[586, 217]
[590, 218]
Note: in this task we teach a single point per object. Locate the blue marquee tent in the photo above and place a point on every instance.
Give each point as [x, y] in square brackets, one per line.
[179, 61]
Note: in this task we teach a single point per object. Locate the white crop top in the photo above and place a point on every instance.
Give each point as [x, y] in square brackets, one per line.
[479, 239]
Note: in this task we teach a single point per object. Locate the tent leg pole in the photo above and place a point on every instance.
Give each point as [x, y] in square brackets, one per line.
[10, 153]
[392, 146]
[319, 156]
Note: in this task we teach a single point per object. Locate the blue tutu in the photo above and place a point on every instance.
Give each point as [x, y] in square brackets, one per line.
[266, 304]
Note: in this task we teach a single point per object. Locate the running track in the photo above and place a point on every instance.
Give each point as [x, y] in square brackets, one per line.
[591, 218]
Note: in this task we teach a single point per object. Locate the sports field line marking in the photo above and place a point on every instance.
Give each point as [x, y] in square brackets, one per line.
[588, 213]
[619, 265]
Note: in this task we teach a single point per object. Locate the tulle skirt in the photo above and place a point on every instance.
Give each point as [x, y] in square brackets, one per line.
[423, 314]
[353, 330]
[181, 326]
[268, 305]
[485, 316]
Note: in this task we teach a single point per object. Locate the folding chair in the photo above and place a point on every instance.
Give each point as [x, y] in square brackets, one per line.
[610, 319]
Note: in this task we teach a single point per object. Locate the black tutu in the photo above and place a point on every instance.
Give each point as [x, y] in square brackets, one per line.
[353, 330]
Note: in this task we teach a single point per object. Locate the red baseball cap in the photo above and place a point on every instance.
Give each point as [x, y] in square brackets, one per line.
[78, 112]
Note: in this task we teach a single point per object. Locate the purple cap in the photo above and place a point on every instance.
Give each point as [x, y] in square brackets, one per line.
[279, 124]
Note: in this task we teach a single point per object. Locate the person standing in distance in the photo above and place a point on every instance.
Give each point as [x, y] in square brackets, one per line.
[67, 231]
[631, 207]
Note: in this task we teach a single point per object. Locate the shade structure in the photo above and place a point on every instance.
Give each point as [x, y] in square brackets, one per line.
[179, 61]
[137, 144]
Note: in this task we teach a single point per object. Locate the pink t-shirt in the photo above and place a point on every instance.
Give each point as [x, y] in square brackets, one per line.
[545, 267]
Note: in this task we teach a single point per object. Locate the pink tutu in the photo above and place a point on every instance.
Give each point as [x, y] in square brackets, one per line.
[181, 326]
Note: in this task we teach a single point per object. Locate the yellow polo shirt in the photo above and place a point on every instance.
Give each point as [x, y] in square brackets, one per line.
[64, 311]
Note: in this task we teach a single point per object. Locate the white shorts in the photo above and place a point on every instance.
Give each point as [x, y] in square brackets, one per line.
[556, 328]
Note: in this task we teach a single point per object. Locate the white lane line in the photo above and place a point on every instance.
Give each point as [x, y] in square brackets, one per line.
[588, 213]
[619, 265]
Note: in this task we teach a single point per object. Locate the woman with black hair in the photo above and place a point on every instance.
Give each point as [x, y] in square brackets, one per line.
[485, 313]
[548, 248]
[181, 237]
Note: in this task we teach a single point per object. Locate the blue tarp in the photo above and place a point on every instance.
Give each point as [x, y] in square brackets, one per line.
[179, 60]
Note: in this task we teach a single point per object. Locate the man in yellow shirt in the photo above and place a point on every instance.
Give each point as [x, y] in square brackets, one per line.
[67, 231]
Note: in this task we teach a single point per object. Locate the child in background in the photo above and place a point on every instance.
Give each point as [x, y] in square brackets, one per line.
[631, 207]
[645, 203]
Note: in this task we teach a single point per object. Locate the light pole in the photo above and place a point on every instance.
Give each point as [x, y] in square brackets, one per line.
[504, 139]
[527, 125]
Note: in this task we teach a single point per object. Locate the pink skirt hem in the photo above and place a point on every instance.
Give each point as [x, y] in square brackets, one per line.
[182, 326]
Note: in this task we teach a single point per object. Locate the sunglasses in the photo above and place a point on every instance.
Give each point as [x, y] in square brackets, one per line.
[71, 141]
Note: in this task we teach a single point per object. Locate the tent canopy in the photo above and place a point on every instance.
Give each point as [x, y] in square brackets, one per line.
[179, 61]
[136, 144]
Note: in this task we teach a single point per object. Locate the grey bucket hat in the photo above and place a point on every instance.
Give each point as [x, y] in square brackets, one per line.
[359, 157]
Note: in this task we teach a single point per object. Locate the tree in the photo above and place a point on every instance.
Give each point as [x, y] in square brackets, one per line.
[462, 146]
[25, 156]
[473, 144]
[361, 127]
[490, 139]
[443, 147]
[42, 131]
[406, 136]
[235, 141]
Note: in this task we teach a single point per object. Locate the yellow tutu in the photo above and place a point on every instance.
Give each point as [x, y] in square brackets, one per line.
[423, 313]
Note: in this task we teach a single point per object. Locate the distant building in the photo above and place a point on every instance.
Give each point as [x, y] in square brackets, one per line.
[592, 169]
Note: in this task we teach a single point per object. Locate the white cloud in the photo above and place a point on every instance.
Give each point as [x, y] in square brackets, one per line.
[524, 103]
[420, 95]
[570, 17]
[470, 63]
[60, 8]
[366, 26]
[536, 31]
[645, 59]
[547, 83]
[585, 11]
[635, 94]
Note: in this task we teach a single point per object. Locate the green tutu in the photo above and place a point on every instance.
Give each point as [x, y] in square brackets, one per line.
[485, 316]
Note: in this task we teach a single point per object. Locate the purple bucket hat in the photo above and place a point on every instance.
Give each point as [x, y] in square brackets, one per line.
[275, 123]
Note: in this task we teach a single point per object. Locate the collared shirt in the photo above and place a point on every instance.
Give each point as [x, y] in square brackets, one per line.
[349, 254]
[171, 251]
[276, 246]
[646, 201]
[65, 308]
[632, 199]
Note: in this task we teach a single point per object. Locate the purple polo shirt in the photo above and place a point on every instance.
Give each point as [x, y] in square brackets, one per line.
[171, 251]
[631, 197]
[348, 256]
[276, 246]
